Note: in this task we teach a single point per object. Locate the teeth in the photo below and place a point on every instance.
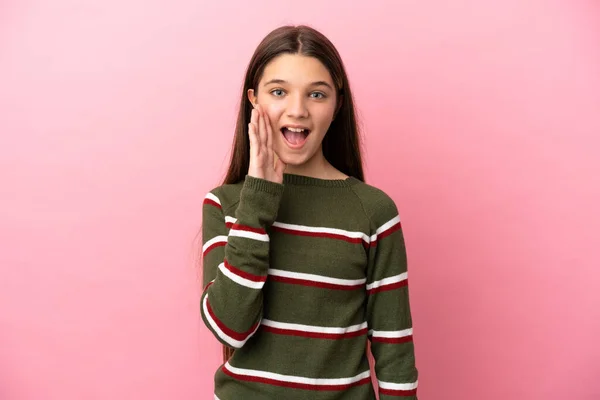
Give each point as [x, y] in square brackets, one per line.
[295, 129]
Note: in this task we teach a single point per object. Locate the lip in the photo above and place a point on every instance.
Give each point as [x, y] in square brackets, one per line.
[295, 126]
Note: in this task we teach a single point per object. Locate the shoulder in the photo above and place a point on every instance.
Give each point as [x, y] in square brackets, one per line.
[378, 204]
[224, 196]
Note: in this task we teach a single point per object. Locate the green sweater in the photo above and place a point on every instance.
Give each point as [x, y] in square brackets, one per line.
[298, 277]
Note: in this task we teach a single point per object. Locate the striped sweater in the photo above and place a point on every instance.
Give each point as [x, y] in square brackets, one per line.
[297, 278]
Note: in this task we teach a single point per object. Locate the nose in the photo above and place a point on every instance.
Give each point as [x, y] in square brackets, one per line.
[296, 107]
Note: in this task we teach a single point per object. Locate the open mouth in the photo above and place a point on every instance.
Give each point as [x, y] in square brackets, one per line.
[295, 136]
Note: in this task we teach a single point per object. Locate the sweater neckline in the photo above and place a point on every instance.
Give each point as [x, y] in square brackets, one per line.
[302, 180]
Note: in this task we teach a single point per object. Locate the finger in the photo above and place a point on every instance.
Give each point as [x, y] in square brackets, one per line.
[262, 129]
[269, 132]
[254, 117]
[269, 140]
[253, 139]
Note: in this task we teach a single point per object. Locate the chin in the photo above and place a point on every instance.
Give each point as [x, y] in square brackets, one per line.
[293, 160]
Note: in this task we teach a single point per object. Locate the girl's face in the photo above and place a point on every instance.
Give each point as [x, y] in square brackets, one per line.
[299, 96]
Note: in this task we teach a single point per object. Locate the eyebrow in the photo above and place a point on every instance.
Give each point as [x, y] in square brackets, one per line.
[281, 81]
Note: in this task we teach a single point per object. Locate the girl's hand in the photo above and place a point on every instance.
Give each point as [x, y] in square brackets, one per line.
[264, 163]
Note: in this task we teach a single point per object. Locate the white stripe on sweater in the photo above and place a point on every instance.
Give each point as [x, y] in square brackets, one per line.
[342, 232]
[391, 334]
[243, 233]
[212, 197]
[388, 281]
[228, 339]
[397, 386]
[316, 278]
[392, 222]
[320, 229]
[298, 379]
[216, 239]
[385, 227]
[240, 280]
[262, 237]
[314, 229]
[313, 328]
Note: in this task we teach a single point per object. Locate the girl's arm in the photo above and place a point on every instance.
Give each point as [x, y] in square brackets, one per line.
[236, 260]
[388, 309]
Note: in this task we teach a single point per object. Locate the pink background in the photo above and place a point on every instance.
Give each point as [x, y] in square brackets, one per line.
[481, 118]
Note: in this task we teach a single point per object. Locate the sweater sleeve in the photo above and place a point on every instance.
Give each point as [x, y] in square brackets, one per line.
[235, 258]
[388, 309]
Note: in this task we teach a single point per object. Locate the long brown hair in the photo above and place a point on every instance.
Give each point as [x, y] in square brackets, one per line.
[341, 144]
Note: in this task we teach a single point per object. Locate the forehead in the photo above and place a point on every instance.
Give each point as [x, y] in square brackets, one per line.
[296, 69]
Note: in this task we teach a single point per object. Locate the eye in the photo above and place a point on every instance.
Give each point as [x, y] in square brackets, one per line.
[317, 95]
[277, 92]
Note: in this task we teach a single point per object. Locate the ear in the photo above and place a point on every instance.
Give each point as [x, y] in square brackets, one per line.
[252, 97]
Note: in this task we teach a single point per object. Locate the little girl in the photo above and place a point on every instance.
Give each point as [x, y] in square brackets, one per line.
[303, 262]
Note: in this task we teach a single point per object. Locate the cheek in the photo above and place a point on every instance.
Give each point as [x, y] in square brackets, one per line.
[274, 113]
[274, 110]
[324, 116]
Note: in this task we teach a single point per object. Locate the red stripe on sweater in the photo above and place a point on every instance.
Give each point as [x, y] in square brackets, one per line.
[248, 228]
[229, 332]
[318, 234]
[213, 246]
[244, 274]
[315, 335]
[385, 288]
[398, 393]
[207, 286]
[212, 203]
[398, 340]
[294, 385]
[324, 285]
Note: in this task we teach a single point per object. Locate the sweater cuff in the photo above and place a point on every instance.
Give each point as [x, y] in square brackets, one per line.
[263, 185]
